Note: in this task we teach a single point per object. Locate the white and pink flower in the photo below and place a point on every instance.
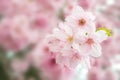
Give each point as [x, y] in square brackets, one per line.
[74, 41]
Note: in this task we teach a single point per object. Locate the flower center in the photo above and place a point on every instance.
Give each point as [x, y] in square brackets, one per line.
[70, 39]
[82, 22]
[90, 41]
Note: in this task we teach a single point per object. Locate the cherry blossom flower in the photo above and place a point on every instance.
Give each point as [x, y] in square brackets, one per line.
[80, 19]
[71, 45]
[90, 42]
[20, 66]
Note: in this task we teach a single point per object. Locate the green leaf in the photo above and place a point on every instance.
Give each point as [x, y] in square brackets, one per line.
[108, 31]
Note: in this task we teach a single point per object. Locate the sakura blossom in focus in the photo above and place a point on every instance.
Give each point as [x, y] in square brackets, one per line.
[76, 38]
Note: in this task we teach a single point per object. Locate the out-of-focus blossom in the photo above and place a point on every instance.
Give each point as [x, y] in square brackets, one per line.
[16, 33]
[20, 66]
[54, 5]
[86, 4]
[68, 8]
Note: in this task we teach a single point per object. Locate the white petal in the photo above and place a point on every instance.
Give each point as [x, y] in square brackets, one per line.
[90, 16]
[76, 46]
[80, 36]
[101, 35]
[77, 10]
[82, 49]
[66, 50]
[96, 50]
[66, 29]
[59, 34]
[86, 62]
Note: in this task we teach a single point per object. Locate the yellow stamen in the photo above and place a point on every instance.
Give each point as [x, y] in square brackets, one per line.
[70, 39]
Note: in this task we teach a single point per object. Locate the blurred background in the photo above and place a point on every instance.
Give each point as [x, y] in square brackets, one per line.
[24, 25]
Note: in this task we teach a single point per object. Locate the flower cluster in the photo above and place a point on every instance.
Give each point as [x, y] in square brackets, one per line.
[76, 39]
